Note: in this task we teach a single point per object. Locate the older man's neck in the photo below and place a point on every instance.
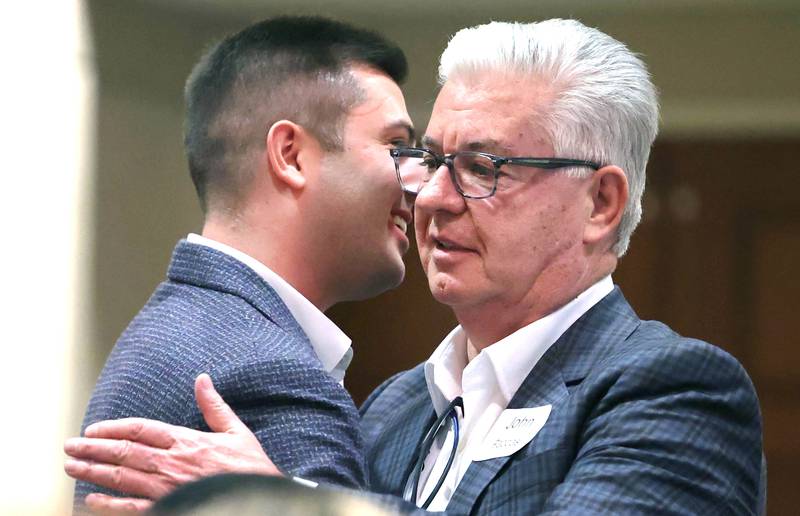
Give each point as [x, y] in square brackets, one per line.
[485, 326]
[489, 323]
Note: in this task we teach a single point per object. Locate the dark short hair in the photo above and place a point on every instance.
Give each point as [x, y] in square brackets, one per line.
[291, 67]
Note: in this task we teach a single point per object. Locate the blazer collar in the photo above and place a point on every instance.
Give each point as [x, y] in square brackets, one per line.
[595, 336]
[205, 267]
[568, 361]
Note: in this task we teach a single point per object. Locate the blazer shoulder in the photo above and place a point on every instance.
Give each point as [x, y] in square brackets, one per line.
[656, 341]
[682, 410]
[182, 331]
[180, 314]
[655, 359]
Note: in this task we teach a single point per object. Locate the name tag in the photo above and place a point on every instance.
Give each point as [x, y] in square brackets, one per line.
[513, 429]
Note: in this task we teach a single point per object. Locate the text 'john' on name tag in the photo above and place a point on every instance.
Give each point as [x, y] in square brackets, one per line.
[513, 429]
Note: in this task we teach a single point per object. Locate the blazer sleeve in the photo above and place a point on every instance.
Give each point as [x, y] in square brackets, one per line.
[674, 431]
[305, 420]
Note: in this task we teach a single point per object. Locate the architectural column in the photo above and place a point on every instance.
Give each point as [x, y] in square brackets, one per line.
[47, 134]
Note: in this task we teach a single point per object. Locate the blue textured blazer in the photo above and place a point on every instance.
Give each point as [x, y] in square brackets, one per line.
[214, 314]
[643, 421]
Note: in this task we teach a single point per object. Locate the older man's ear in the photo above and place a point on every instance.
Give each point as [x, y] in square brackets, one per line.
[609, 195]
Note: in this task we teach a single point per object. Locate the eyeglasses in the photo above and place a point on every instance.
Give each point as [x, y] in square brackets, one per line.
[412, 482]
[474, 174]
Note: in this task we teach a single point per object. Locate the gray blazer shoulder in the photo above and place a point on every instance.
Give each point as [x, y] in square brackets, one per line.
[214, 314]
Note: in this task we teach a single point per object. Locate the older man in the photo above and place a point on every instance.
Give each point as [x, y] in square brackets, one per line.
[551, 395]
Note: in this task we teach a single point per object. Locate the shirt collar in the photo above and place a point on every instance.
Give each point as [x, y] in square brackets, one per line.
[444, 369]
[330, 344]
[512, 357]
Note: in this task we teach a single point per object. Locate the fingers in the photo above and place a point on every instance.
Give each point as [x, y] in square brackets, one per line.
[119, 478]
[108, 505]
[112, 451]
[144, 431]
[218, 415]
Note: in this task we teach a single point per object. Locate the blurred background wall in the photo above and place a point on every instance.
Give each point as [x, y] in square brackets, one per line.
[97, 193]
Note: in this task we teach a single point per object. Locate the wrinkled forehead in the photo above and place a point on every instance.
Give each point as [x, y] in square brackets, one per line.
[499, 114]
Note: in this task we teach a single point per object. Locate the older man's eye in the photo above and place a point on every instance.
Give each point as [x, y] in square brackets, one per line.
[430, 162]
[476, 166]
[481, 171]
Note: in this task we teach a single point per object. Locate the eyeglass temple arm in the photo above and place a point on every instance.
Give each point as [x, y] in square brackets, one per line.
[548, 162]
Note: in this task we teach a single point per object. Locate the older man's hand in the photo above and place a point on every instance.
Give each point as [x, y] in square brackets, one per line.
[149, 458]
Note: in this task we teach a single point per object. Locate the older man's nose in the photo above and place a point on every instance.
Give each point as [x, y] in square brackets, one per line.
[440, 193]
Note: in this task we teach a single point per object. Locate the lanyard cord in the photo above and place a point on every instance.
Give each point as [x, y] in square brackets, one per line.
[412, 482]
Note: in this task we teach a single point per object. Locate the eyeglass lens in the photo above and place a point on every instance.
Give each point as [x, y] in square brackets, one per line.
[474, 173]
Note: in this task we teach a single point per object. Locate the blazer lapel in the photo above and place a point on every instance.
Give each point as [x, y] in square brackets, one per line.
[568, 361]
[597, 335]
[543, 386]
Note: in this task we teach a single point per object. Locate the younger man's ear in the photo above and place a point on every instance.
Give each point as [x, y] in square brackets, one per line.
[289, 147]
[609, 191]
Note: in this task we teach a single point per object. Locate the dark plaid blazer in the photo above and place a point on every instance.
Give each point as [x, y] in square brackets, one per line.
[643, 421]
[214, 314]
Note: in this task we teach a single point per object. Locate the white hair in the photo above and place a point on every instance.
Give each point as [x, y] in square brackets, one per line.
[605, 108]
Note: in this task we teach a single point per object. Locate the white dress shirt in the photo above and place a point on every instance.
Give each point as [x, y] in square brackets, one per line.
[487, 383]
[331, 345]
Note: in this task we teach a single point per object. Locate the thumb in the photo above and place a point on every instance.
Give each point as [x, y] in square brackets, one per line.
[218, 415]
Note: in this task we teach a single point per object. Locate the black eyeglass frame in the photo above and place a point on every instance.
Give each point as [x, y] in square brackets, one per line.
[497, 161]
